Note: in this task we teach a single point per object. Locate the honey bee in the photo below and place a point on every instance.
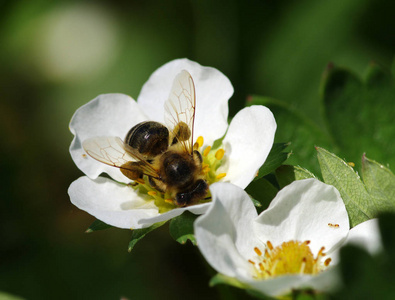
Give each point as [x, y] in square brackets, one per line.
[164, 154]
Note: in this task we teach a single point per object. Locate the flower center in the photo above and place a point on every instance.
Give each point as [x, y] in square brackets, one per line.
[211, 161]
[293, 257]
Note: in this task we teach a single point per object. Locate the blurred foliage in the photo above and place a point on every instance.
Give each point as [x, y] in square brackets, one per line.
[366, 276]
[57, 55]
[357, 117]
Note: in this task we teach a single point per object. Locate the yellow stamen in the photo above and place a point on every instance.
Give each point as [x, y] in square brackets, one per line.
[291, 257]
[351, 164]
[219, 154]
[303, 265]
[152, 193]
[221, 175]
[261, 267]
[169, 201]
[251, 262]
[206, 151]
[327, 262]
[321, 252]
[269, 245]
[205, 168]
[200, 141]
[257, 251]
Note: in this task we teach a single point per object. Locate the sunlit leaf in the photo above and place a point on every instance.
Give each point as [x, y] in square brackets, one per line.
[336, 172]
[380, 183]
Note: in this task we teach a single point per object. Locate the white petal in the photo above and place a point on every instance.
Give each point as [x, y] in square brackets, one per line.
[247, 144]
[113, 203]
[328, 280]
[224, 233]
[195, 209]
[106, 115]
[280, 285]
[325, 281]
[213, 90]
[302, 211]
[366, 235]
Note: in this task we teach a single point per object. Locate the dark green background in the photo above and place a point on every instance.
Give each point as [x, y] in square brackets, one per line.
[272, 48]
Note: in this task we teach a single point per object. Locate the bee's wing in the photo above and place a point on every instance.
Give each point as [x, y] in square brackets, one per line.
[180, 106]
[113, 152]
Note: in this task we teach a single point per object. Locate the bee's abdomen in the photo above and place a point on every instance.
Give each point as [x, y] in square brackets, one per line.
[148, 138]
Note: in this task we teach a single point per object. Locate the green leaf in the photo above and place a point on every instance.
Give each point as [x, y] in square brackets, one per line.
[380, 183]
[261, 191]
[275, 158]
[256, 202]
[6, 296]
[286, 174]
[223, 279]
[138, 234]
[376, 76]
[338, 173]
[360, 113]
[97, 225]
[181, 228]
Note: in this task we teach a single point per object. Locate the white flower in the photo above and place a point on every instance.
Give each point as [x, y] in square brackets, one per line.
[293, 244]
[248, 141]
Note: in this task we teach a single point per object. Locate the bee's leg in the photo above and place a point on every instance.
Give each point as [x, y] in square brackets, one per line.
[181, 132]
[157, 184]
[132, 170]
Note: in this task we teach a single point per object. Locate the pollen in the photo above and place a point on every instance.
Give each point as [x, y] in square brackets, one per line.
[220, 176]
[293, 257]
[169, 201]
[152, 193]
[219, 154]
[200, 141]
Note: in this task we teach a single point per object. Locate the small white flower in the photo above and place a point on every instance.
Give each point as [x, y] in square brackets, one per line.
[247, 143]
[293, 244]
